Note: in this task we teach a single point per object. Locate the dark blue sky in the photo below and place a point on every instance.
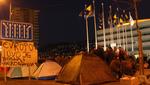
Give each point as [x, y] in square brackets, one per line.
[59, 20]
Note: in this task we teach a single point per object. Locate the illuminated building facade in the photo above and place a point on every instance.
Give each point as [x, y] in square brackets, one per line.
[28, 16]
[124, 38]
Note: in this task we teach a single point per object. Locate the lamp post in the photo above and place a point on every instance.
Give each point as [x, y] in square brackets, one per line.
[3, 2]
[10, 8]
[140, 47]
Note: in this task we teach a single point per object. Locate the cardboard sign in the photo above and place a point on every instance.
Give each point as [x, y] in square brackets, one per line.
[18, 53]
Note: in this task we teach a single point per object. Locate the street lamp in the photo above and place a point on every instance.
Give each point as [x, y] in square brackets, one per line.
[10, 13]
[140, 47]
[10, 8]
[2, 1]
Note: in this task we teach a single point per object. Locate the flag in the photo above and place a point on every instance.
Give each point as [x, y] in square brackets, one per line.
[115, 16]
[89, 8]
[131, 19]
[115, 20]
[121, 21]
[125, 17]
[88, 11]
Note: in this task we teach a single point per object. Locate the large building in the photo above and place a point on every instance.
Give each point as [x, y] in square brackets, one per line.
[28, 16]
[122, 36]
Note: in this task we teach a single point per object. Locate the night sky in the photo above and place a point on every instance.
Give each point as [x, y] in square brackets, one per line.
[59, 19]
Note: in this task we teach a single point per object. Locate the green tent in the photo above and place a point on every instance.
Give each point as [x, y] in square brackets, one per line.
[22, 71]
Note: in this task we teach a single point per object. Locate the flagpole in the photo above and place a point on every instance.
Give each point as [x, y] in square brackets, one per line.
[111, 28]
[87, 31]
[103, 20]
[95, 25]
[132, 38]
[125, 29]
[126, 39]
[119, 37]
[87, 34]
[118, 30]
[109, 22]
[122, 29]
[123, 41]
[120, 44]
[131, 24]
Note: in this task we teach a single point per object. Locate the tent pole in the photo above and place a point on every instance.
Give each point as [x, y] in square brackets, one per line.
[87, 34]
[29, 66]
[5, 75]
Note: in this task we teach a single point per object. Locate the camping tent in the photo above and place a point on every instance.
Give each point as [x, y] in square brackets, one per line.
[23, 71]
[47, 70]
[85, 69]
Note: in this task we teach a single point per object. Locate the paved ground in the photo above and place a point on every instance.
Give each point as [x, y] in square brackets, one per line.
[42, 82]
[29, 82]
[47, 82]
[38, 82]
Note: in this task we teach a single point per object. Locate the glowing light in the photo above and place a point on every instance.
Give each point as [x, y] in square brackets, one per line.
[2, 1]
[132, 23]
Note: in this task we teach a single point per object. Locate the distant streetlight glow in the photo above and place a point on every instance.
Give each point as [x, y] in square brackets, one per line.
[2, 1]
[10, 6]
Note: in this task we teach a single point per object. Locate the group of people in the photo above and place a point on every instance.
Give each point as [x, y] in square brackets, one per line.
[119, 61]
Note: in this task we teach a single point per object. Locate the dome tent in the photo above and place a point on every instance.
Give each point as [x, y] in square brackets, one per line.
[47, 70]
[85, 69]
[22, 71]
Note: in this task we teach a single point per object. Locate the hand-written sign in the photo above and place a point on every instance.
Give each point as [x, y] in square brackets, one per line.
[16, 30]
[18, 53]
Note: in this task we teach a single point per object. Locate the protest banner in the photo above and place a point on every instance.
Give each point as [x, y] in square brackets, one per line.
[18, 53]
